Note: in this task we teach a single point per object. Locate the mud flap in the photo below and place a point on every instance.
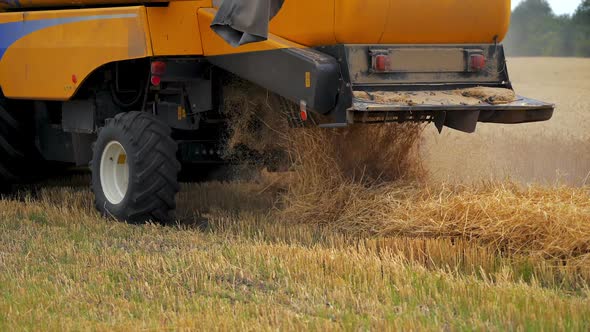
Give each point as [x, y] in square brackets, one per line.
[439, 120]
[465, 121]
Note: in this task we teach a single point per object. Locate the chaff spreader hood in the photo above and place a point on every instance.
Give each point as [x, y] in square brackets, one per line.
[241, 22]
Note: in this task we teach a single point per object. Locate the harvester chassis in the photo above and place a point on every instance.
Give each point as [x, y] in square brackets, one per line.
[144, 83]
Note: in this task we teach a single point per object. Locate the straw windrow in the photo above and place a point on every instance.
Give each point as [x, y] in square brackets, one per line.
[368, 180]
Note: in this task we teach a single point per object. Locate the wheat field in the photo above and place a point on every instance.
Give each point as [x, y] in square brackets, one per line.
[553, 152]
[489, 231]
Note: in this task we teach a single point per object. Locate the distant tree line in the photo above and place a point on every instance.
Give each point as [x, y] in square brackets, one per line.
[536, 31]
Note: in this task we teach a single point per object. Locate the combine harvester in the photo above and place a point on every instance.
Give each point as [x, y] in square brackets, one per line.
[134, 88]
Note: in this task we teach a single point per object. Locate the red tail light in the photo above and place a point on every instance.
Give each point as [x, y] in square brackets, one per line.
[477, 62]
[156, 80]
[303, 110]
[158, 68]
[381, 62]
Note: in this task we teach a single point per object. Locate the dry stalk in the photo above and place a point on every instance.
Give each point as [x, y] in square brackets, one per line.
[369, 180]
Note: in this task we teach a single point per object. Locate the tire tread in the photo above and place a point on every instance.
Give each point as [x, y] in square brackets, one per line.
[156, 182]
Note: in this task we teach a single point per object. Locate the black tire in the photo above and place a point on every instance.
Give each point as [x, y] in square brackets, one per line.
[17, 149]
[152, 164]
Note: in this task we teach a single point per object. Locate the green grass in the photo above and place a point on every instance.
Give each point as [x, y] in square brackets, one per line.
[235, 267]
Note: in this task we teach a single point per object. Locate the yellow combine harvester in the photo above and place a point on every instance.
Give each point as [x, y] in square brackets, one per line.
[141, 81]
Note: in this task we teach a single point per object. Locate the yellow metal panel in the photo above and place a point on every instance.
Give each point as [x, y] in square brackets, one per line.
[326, 22]
[175, 29]
[51, 62]
[214, 45]
[363, 21]
[10, 17]
[306, 22]
[446, 21]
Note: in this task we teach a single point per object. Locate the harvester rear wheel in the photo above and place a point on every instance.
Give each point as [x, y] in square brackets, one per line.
[134, 169]
[16, 148]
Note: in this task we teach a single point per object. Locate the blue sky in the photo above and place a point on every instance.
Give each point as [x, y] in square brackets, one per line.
[559, 6]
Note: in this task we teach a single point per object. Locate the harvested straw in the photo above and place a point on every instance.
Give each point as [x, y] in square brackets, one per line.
[257, 117]
[552, 223]
[263, 122]
[368, 180]
[489, 95]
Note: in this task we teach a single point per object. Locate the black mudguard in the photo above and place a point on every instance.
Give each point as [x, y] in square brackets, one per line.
[297, 74]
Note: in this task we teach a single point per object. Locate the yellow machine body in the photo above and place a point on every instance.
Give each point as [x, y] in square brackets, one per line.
[50, 63]
[47, 54]
[154, 76]
[329, 22]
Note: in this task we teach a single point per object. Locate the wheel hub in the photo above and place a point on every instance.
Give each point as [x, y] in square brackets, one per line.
[114, 172]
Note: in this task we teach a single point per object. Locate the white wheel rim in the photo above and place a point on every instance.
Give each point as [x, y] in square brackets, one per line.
[114, 172]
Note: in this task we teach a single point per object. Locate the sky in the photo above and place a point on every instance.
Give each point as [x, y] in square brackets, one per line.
[559, 6]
